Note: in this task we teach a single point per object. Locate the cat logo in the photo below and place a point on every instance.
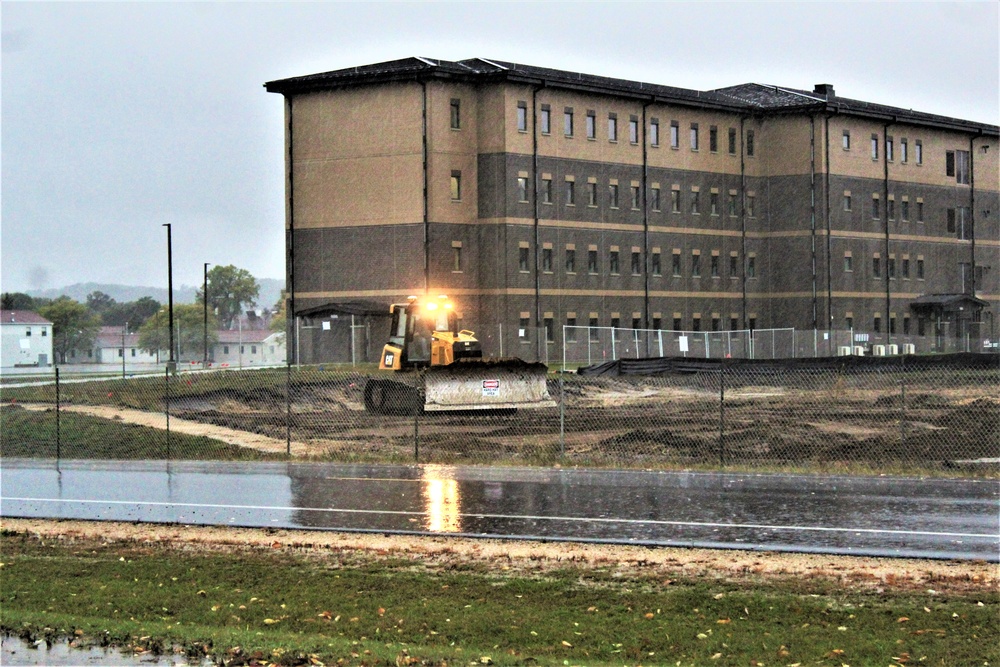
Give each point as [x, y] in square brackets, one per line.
[389, 358]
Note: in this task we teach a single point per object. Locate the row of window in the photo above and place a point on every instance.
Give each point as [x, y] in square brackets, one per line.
[27, 332]
[958, 220]
[890, 266]
[590, 129]
[713, 266]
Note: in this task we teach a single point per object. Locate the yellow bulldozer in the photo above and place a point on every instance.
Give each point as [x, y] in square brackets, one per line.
[440, 368]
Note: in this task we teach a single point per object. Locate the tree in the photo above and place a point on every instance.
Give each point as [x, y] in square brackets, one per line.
[134, 313]
[74, 327]
[99, 302]
[229, 290]
[16, 301]
[189, 331]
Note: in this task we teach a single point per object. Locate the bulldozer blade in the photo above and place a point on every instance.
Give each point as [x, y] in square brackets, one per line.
[486, 385]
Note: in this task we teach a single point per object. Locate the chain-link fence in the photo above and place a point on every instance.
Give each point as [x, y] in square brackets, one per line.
[909, 414]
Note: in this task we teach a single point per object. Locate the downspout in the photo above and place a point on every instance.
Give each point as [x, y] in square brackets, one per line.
[291, 330]
[812, 217]
[541, 343]
[645, 224]
[829, 240]
[743, 221]
[426, 204]
[972, 210]
[885, 203]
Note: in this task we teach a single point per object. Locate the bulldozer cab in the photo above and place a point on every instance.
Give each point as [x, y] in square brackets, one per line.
[413, 328]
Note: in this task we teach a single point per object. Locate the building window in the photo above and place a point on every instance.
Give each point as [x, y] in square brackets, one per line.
[906, 325]
[903, 151]
[523, 325]
[920, 211]
[546, 190]
[675, 265]
[891, 209]
[847, 202]
[456, 115]
[132, 351]
[675, 201]
[949, 163]
[848, 264]
[654, 132]
[613, 262]
[875, 208]
[694, 136]
[713, 203]
[695, 202]
[225, 349]
[456, 185]
[713, 139]
[636, 264]
[633, 130]
[27, 332]
[696, 323]
[570, 260]
[568, 122]
[616, 323]
[874, 146]
[906, 268]
[751, 267]
[846, 140]
[656, 266]
[751, 201]
[904, 210]
[522, 116]
[522, 189]
[550, 330]
[919, 154]
[876, 267]
[962, 167]
[890, 267]
[612, 127]
[570, 193]
[920, 268]
[591, 125]
[714, 267]
[657, 323]
[734, 266]
[675, 134]
[547, 260]
[696, 265]
[570, 329]
[751, 147]
[456, 257]
[613, 195]
[595, 333]
[889, 154]
[654, 198]
[591, 194]
[592, 266]
[635, 198]
[636, 322]
[522, 259]
[877, 324]
[121, 353]
[716, 324]
[732, 204]
[732, 141]
[546, 119]
[678, 324]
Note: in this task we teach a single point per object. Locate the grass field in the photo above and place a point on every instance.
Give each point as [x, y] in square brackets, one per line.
[294, 603]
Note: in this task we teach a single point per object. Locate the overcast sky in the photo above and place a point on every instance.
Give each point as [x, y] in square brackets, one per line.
[117, 118]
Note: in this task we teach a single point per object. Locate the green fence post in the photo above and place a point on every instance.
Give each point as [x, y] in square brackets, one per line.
[58, 430]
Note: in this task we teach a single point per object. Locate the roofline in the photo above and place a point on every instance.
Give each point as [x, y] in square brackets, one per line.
[421, 69]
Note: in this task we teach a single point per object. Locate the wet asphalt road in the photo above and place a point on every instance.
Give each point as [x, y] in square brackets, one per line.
[880, 516]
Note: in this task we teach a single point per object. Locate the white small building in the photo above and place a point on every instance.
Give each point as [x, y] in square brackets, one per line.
[249, 347]
[26, 339]
[110, 347]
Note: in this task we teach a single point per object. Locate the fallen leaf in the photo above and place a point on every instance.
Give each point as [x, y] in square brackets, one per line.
[723, 621]
[567, 644]
[650, 615]
[902, 619]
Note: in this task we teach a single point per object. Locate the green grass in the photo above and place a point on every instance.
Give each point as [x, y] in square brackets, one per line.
[33, 434]
[353, 608]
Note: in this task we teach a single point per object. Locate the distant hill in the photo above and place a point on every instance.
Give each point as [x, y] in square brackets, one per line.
[270, 292]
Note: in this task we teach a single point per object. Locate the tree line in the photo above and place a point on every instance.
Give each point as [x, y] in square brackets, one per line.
[231, 291]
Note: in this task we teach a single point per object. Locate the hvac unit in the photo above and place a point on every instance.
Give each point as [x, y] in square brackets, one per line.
[844, 351]
[859, 350]
[878, 350]
[909, 348]
[893, 350]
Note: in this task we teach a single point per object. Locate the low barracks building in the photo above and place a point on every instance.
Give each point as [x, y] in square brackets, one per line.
[538, 198]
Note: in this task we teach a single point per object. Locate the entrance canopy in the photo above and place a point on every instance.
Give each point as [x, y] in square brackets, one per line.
[948, 303]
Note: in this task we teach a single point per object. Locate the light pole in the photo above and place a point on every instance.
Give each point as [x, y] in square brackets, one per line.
[172, 363]
[124, 331]
[204, 298]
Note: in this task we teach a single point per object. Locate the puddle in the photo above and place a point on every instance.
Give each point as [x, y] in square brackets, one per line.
[16, 651]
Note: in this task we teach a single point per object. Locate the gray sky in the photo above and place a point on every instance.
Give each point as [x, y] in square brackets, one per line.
[117, 118]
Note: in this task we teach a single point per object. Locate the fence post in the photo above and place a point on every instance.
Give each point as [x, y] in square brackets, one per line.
[166, 406]
[416, 429]
[562, 419]
[722, 414]
[58, 433]
[288, 409]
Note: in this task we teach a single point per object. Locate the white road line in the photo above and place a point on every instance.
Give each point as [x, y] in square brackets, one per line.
[525, 517]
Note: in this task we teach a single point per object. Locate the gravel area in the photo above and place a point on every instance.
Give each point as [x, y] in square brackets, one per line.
[535, 558]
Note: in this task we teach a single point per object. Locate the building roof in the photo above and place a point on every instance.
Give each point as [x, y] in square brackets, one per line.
[21, 317]
[246, 337]
[112, 337]
[748, 98]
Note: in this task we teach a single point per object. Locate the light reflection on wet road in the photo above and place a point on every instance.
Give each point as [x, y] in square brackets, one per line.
[928, 518]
